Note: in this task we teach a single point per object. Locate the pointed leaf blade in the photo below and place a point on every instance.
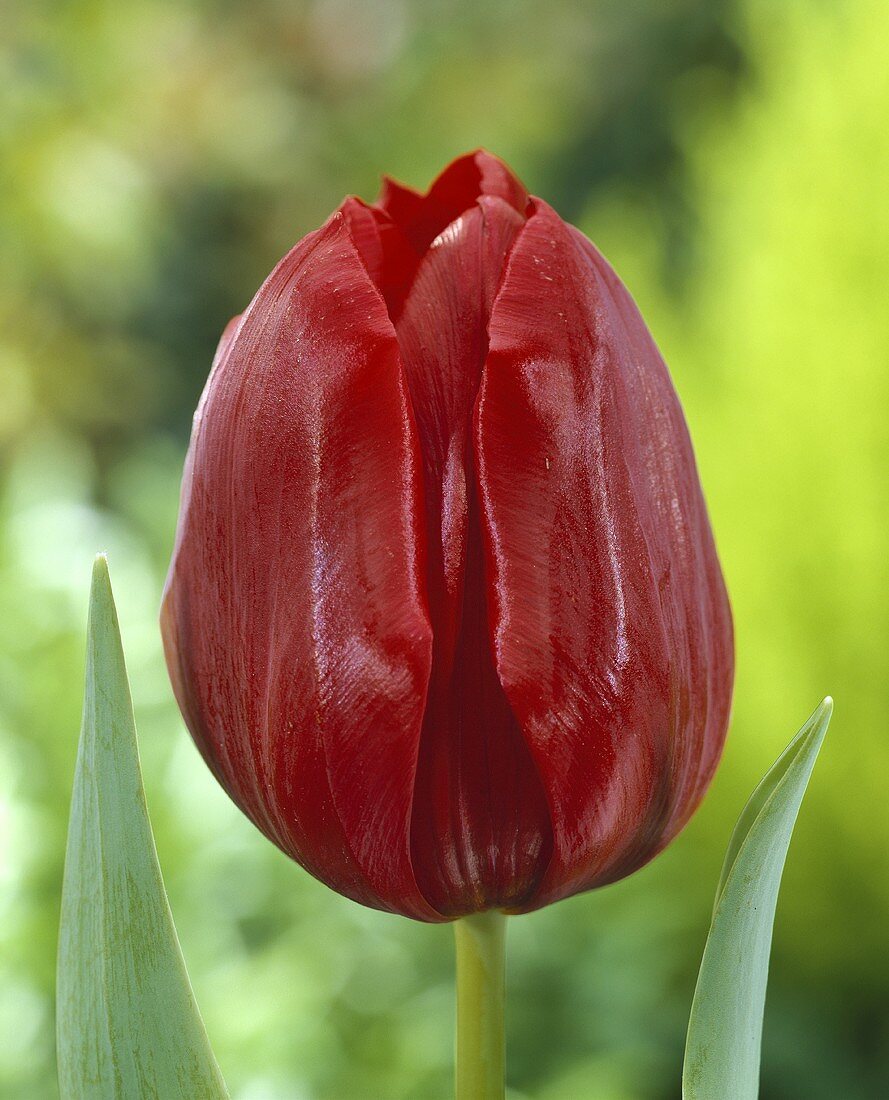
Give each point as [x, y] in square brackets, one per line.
[723, 1047]
[127, 1022]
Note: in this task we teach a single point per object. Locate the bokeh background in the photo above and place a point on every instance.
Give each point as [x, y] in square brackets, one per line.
[731, 157]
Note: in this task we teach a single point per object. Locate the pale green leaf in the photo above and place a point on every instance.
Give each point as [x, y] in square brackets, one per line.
[725, 1030]
[128, 1027]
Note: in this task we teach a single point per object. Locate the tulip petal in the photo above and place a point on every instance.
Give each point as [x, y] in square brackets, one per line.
[423, 217]
[480, 828]
[294, 618]
[400, 202]
[387, 254]
[610, 622]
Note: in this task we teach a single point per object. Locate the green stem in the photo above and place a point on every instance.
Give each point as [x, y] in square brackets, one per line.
[481, 990]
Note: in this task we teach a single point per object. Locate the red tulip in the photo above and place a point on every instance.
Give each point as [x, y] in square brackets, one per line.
[445, 616]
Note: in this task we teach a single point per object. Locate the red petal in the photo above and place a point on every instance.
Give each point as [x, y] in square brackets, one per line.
[385, 251]
[480, 829]
[294, 618]
[423, 217]
[400, 202]
[611, 623]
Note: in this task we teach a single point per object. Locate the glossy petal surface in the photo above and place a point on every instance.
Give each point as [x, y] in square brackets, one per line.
[295, 622]
[612, 628]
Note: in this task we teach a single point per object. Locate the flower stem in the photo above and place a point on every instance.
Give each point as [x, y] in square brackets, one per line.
[481, 989]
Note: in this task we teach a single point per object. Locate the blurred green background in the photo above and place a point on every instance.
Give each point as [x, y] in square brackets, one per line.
[731, 157]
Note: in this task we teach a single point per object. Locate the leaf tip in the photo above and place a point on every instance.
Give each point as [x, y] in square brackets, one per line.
[100, 587]
[822, 715]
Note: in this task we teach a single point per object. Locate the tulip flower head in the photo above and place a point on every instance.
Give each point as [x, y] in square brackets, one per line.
[445, 615]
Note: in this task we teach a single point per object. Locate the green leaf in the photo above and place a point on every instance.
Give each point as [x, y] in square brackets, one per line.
[128, 1027]
[725, 1030]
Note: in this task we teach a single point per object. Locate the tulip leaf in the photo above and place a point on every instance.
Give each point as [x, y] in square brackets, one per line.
[128, 1026]
[722, 1051]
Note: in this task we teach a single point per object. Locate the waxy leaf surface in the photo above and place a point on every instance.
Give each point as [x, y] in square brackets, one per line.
[723, 1048]
[128, 1025]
